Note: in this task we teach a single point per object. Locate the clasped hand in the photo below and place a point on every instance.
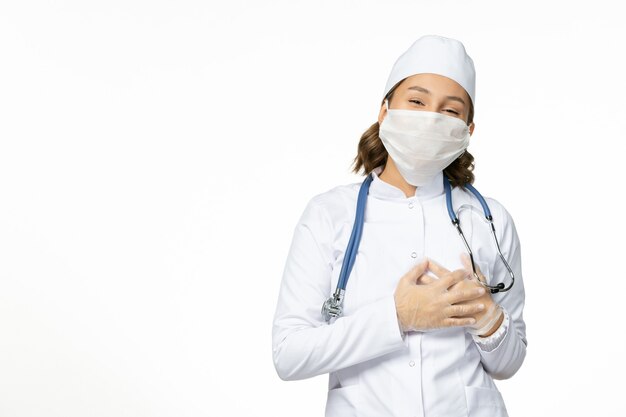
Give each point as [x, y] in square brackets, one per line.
[455, 299]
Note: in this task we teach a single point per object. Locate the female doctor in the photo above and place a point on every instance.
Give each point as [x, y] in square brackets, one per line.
[423, 329]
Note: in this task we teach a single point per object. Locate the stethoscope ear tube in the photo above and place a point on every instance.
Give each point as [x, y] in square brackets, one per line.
[506, 264]
[455, 221]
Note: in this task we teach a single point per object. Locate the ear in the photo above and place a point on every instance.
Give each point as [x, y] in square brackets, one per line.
[471, 128]
[382, 113]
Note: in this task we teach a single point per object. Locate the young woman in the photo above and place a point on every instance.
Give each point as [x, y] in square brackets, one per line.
[420, 328]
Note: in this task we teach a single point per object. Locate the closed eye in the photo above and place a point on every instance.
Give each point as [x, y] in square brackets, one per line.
[449, 110]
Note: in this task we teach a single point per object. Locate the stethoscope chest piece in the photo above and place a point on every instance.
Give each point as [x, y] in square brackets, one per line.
[333, 307]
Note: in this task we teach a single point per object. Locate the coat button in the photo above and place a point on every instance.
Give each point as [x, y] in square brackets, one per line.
[411, 205]
[412, 363]
[413, 255]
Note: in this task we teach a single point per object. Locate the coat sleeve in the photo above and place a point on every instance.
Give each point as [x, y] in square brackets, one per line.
[303, 344]
[504, 360]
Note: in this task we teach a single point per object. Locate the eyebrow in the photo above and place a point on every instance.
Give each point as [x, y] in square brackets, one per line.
[423, 90]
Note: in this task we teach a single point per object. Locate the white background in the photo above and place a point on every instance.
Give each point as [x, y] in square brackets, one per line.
[155, 157]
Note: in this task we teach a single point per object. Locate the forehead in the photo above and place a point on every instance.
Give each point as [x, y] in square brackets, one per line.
[435, 83]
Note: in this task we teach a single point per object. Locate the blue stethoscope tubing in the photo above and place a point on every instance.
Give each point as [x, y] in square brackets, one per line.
[333, 306]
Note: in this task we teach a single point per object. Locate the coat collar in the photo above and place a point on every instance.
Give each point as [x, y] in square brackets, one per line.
[385, 191]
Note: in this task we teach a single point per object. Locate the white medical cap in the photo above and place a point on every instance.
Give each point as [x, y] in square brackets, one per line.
[437, 55]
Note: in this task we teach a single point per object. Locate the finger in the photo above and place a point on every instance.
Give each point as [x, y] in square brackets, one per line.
[460, 310]
[453, 277]
[437, 269]
[426, 279]
[463, 285]
[415, 272]
[467, 263]
[452, 321]
[464, 295]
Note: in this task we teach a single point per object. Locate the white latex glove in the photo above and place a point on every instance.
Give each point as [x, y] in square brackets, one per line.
[486, 318]
[432, 305]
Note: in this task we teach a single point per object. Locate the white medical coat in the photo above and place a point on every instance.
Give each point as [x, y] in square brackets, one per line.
[375, 369]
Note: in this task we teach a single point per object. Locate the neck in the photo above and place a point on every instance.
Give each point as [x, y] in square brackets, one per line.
[391, 175]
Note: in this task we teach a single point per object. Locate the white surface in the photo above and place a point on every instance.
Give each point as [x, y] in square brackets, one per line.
[155, 157]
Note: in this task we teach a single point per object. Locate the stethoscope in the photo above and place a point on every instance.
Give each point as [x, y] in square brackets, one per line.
[334, 305]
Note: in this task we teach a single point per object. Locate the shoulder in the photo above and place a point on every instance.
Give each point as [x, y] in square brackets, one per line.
[499, 212]
[497, 208]
[332, 206]
[503, 219]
